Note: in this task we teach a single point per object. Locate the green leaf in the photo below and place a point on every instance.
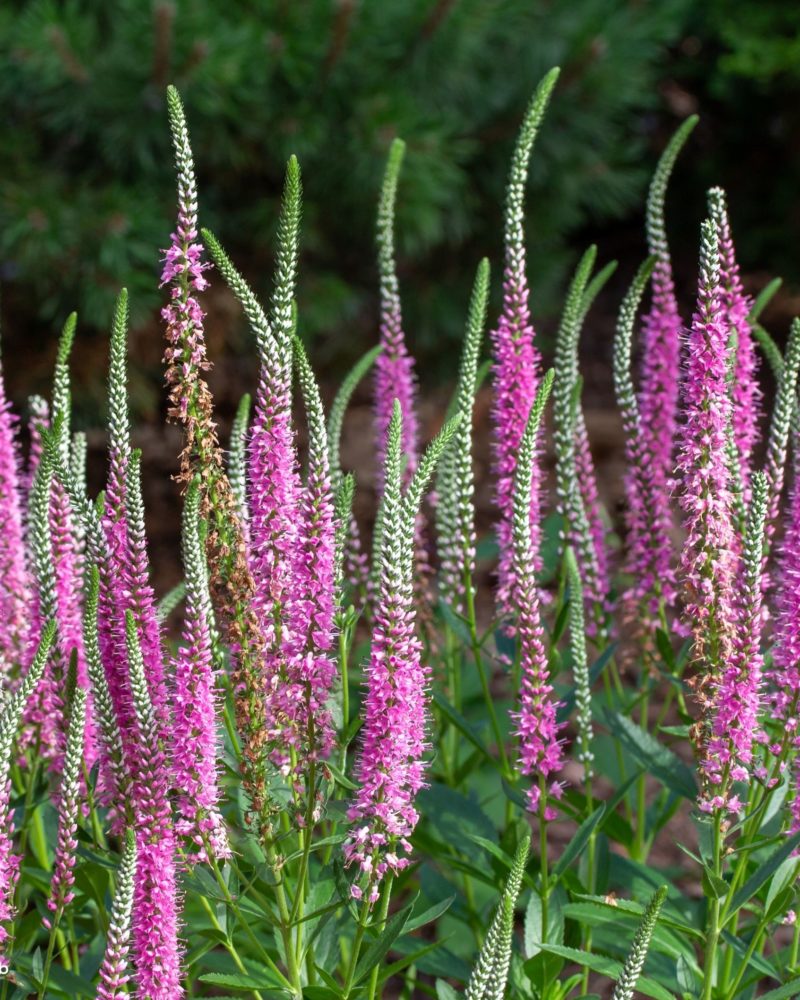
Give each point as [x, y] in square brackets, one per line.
[763, 299]
[429, 915]
[374, 955]
[606, 967]
[444, 991]
[240, 980]
[763, 872]
[687, 980]
[758, 962]
[464, 727]
[556, 912]
[786, 992]
[784, 876]
[657, 759]
[455, 817]
[714, 886]
[578, 842]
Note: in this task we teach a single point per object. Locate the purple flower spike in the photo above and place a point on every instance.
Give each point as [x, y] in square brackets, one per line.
[157, 950]
[708, 564]
[735, 724]
[15, 598]
[194, 739]
[648, 561]
[746, 390]
[516, 360]
[390, 769]
[662, 331]
[541, 751]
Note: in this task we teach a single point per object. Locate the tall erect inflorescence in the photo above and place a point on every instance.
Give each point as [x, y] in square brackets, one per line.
[648, 560]
[455, 512]
[575, 479]
[230, 581]
[113, 974]
[314, 578]
[69, 802]
[46, 710]
[489, 978]
[194, 741]
[390, 767]
[157, 951]
[536, 728]
[783, 413]
[237, 457]
[707, 563]
[784, 676]
[516, 359]
[394, 366]
[580, 666]
[746, 391]
[184, 273]
[661, 336]
[10, 719]
[274, 525]
[735, 726]
[634, 963]
[15, 583]
[65, 558]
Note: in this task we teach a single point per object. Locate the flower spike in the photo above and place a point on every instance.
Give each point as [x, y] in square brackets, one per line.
[746, 390]
[634, 963]
[157, 950]
[661, 333]
[12, 709]
[456, 481]
[489, 978]
[541, 753]
[653, 590]
[194, 743]
[516, 359]
[15, 583]
[707, 561]
[390, 768]
[61, 894]
[113, 971]
[394, 366]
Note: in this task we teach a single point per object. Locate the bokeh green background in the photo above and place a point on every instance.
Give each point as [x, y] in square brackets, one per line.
[87, 190]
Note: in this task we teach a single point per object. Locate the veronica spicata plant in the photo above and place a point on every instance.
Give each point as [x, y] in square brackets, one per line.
[558, 762]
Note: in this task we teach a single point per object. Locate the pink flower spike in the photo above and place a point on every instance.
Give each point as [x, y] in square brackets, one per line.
[157, 949]
[708, 564]
[15, 584]
[194, 739]
[746, 390]
[541, 752]
[516, 367]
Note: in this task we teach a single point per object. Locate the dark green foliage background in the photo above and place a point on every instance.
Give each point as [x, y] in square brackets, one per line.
[87, 192]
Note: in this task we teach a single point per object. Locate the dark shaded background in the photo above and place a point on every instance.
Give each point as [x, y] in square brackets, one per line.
[87, 189]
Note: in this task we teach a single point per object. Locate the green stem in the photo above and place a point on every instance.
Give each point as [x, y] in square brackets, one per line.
[233, 905]
[355, 951]
[543, 866]
[713, 927]
[229, 945]
[382, 915]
